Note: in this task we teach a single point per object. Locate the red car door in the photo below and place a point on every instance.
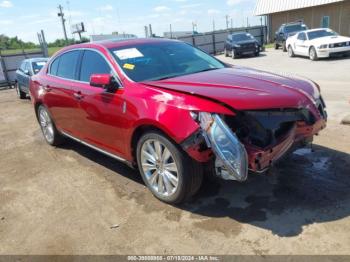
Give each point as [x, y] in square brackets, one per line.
[58, 88]
[101, 113]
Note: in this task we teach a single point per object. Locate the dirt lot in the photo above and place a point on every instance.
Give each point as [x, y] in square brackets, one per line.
[67, 200]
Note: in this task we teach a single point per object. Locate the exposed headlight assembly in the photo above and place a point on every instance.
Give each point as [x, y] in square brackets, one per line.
[232, 158]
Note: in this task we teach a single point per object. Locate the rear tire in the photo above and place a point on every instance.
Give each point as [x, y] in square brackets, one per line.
[284, 47]
[290, 51]
[48, 128]
[168, 172]
[313, 54]
[20, 93]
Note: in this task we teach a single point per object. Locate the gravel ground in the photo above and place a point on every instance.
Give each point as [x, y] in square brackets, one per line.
[73, 200]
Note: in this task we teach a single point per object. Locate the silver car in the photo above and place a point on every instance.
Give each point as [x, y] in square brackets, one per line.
[27, 69]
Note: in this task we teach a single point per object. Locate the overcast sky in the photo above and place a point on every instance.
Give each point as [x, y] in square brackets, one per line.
[26, 17]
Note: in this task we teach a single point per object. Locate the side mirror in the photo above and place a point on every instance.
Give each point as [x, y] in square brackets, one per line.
[105, 81]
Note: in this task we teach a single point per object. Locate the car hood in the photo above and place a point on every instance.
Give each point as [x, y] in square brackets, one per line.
[331, 39]
[244, 89]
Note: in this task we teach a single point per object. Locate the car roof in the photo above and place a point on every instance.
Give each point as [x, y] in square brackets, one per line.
[293, 23]
[110, 44]
[36, 59]
[241, 33]
[316, 29]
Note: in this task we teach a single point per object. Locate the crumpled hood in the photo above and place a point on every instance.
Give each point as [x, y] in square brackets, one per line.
[244, 88]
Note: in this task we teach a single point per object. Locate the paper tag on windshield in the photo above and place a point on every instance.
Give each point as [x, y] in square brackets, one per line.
[128, 53]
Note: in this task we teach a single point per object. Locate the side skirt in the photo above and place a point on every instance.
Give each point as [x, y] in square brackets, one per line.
[98, 149]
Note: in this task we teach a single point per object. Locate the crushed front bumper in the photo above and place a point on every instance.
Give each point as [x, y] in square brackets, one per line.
[233, 159]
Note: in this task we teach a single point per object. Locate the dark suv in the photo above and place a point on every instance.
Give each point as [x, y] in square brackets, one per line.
[239, 44]
[287, 30]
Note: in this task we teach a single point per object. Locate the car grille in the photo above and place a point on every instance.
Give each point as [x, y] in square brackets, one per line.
[248, 46]
[339, 45]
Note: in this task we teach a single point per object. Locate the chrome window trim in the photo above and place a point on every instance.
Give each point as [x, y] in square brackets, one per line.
[114, 73]
[96, 148]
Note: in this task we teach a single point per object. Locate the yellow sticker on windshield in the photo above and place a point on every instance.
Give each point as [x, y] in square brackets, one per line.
[129, 66]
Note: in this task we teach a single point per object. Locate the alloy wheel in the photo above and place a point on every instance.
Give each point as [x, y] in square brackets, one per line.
[46, 125]
[290, 51]
[159, 167]
[313, 54]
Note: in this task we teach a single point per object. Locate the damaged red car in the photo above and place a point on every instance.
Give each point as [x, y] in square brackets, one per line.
[169, 110]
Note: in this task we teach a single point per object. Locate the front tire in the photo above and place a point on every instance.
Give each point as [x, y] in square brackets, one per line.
[313, 54]
[276, 46]
[234, 54]
[225, 52]
[290, 51]
[48, 128]
[169, 173]
[20, 93]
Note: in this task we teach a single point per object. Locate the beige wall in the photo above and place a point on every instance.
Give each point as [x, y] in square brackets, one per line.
[339, 14]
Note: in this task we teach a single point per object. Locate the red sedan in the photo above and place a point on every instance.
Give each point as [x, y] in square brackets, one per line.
[170, 109]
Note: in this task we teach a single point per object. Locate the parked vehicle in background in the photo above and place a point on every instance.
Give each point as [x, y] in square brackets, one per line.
[286, 31]
[239, 44]
[318, 43]
[27, 69]
[170, 110]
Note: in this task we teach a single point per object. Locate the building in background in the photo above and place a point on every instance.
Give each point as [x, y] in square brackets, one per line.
[177, 34]
[113, 36]
[334, 14]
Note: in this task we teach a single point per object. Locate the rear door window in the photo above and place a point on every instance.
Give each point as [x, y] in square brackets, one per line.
[93, 63]
[68, 65]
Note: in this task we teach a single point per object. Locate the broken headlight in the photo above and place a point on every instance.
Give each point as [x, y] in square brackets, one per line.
[230, 153]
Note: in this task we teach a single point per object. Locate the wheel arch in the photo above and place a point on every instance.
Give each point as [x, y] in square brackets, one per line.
[139, 131]
[37, 104]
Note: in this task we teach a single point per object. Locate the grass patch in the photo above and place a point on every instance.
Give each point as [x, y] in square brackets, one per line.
[51, 50]
[272, 45]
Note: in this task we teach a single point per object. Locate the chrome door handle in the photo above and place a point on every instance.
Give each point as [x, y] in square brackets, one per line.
[78, 95]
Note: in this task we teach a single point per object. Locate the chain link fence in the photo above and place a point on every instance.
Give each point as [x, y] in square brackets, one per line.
[214, 42]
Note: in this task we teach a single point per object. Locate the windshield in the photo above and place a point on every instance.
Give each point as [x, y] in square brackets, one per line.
[242, 37]
[295, 28]
[321, 33]
[156, 61]
[37, 66]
